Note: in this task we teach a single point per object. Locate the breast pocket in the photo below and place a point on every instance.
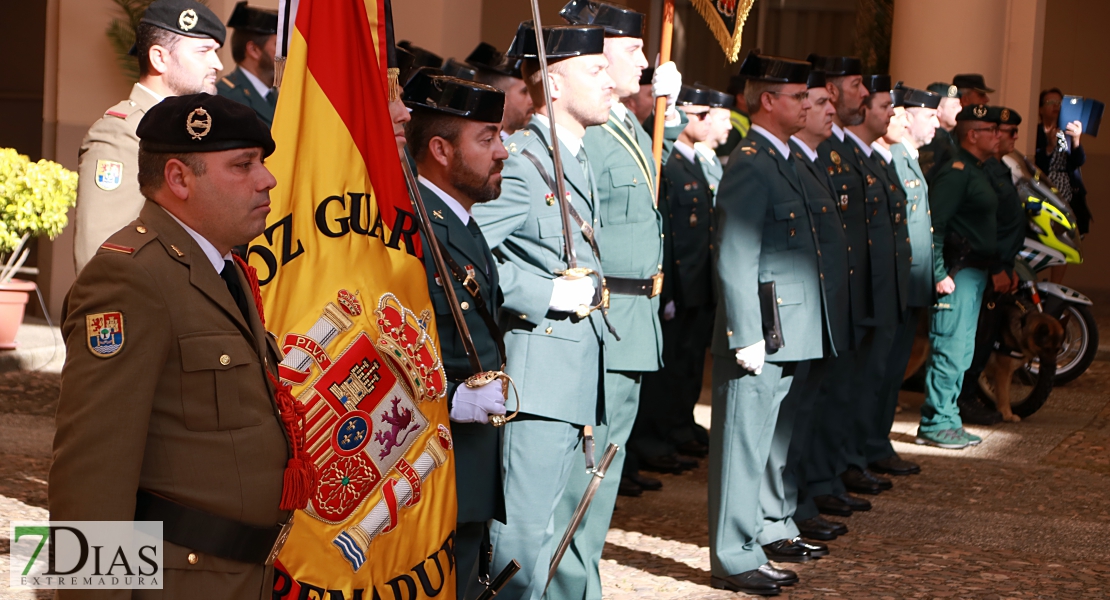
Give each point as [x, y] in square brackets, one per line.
[216, 368]
[626, 185]
[788, 225]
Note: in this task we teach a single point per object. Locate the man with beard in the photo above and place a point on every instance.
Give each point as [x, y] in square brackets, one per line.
[176, 45]
[545, 337]
[494, 69]
[965, 243]
[767, 263]
[253, 46]
[795, 511]
[913, 126]
[629, 236]
[939, 151]
[455, 142]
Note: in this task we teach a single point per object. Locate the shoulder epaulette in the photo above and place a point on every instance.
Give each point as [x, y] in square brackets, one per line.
[116, 113]
[227, 82]
[958, 165]
[129, 239]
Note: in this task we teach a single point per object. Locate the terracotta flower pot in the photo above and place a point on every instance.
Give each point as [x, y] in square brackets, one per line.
[13, 302]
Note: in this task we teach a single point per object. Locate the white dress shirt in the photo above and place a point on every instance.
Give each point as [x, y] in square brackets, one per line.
[256, 83]
[460, 212]
[810, 152]
[210, 251]
[862, 146]
[781, 145]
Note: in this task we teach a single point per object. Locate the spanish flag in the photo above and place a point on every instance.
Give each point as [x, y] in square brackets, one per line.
[345, 292]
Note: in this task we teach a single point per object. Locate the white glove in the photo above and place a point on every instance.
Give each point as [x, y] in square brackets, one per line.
[667, 81]
[475, 405]
[569, 293]
[752, 357]
[668, 311]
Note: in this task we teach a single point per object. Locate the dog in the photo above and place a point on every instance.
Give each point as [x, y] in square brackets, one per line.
[1025, 330]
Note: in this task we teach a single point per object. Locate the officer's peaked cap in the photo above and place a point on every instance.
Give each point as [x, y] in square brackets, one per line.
[431, 89]
[454, 68]
[774, 69]
[915, 97]
[563, 41]
[254, 19]
[836, 66]
[618, 21]
[202, 123]
[486, 57]
[877, 83]
[816, 79]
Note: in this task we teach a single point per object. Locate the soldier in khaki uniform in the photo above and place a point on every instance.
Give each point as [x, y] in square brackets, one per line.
[167, 411]
[176, 44]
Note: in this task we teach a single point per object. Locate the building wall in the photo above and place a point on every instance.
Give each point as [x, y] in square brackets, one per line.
[1075, 42]
[450, 28]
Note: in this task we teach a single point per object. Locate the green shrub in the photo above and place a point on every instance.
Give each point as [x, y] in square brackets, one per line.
[34, 198]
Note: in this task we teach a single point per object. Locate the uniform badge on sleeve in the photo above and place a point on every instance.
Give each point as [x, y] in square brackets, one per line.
[109, 174]
[104, 331]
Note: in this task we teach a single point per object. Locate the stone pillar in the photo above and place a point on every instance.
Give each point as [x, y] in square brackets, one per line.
[932, 40]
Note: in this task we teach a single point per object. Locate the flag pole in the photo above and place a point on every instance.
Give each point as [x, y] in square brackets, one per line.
[661, 102]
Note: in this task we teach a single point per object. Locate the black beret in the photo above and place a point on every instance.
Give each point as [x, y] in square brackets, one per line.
[564, 41]
[253, 19]
[647, 75]
[971, 81]
[977, 112]
[836, 66]
[944, 90]
[877, 83]
[914, 97]
[1008, 116]
[431, 89]
[816, 79]
[185, 17]
[486, 57]
[618, 21]
[773, 69]
[454, 68]
[202, 123]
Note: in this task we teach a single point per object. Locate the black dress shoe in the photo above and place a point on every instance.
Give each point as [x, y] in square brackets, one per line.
[649, 484]
[660, 464]
[884, 482]
[693, 448]
[816, 549]
[836, 526]
[815, 530]
[687, 463]
[832, 505]
[894, 465]
[975, 412]
[629, 488]
[749, 582]
[856, 504]
[787, 551]
[855, 480]
[779, 576]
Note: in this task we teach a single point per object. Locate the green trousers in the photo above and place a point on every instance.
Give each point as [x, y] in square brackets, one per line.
[878, 446]
[578, 577]
[468, 549]
[952, 334]
[745, 410]
[867, 389]
[538, 458]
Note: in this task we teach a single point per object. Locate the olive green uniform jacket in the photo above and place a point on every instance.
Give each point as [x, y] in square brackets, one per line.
[235, 86]
[1011, 215]
[477, 445]
[183, 409]
[108, 165]
[964, 204]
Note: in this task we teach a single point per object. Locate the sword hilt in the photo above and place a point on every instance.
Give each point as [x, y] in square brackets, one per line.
[500, 581]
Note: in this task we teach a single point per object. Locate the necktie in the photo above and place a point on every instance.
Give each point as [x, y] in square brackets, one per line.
[271, 98]
[630, 124]
[230, 275]
[475, 231]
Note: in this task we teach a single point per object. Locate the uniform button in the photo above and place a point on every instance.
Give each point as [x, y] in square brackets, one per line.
[662, 235]
[778, 300]
[464, 305]
[907, 240]
[822, 275]
[523, 316]
[729, 333]
[844, 187]
[818, 253]
[914, 207]
[792, 232]
[851, 271]
[547, 331]
[824, 209]
[140, 229]
[868, 242]
[930, 230]
[658, 266]
[695, 200]
[678, 262]
[192, 558]
[225, 360]
[791, 215]
[849, 248]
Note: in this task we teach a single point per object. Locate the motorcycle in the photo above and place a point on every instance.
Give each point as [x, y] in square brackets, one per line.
[1052, 239]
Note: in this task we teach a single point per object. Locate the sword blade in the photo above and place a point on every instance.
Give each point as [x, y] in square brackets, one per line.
[580, 510]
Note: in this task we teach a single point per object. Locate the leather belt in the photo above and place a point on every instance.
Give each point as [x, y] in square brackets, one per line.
[650, 287]
[212, 534]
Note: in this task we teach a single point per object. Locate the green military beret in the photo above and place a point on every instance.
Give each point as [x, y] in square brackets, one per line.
[978, 112]
[185, 17]
[1007, 116]
[202, 123]
[945, 90]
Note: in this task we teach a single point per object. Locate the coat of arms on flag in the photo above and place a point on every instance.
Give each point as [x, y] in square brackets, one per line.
[726, 20]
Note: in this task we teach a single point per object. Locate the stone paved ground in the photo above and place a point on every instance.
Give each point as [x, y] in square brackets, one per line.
[1024, 515]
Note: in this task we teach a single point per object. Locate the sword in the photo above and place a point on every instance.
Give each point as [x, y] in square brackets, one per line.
[500, 581]
[573, 271]
[580, 510]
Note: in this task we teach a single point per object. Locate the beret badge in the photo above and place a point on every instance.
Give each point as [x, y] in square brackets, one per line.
[187, 20]
[979, 111]
[1005, 116]
[198, 123]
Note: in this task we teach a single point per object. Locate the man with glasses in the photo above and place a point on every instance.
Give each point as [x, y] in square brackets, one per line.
[939, 151]
[965, 235]
[768, 263]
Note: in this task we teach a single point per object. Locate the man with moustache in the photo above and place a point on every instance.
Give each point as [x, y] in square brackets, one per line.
[524, 228]
[913, 126]
[965, 242]
[784, 494]
[167, 409]
[889, 252]
[495, 70]
[839, 393]
[176, 45]
[253, 46]
[767, 261]
[629, 236]
[454, 140]
[936, 153]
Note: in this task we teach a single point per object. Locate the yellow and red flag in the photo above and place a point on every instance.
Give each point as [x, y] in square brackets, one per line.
[344, 290]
